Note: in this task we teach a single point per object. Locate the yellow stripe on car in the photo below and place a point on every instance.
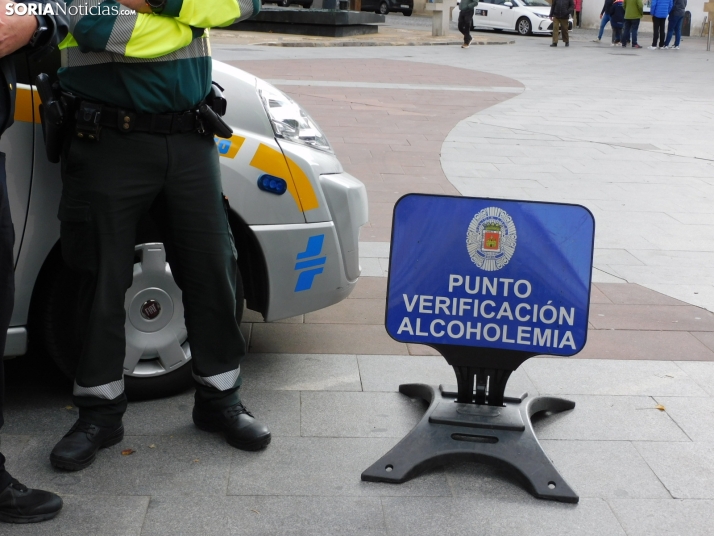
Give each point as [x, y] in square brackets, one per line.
[24, 104]
[275, 163]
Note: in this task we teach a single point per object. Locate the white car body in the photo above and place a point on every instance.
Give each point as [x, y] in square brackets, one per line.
[497, 15]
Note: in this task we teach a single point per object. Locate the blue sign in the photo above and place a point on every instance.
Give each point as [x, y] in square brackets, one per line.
[490, 273]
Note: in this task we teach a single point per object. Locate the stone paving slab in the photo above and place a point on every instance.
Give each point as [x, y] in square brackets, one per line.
[702, 373]
[295, 372]
[411, 516]
[296, 466]
[605, 469]
[610, 418]
[685, 469]
[185, 464]
[83, 515]
[603, 377]
[265, 515]
[664, 518]
[695, 416]
[359, 414]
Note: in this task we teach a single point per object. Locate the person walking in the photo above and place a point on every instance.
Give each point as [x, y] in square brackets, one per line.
[633, 14]
[578, 9]
[560, 11]
[38, 35]
[466, 20]
[674, 26]
[604, 19]
[660, 11]
[617, 20]
[137, 83]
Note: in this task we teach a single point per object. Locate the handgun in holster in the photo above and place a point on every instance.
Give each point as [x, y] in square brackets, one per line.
[210, 112]
[52, 116]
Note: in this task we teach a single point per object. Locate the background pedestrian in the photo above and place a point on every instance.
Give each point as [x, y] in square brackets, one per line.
[674, 26]
[633, 14]
[617, 20]
[604, 18]
[560, 11]
[660, 11]
[466, 19]
[578, 9]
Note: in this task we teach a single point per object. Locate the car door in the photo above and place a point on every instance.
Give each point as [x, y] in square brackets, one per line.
[481, 15]
[495, 15]
[510, 14]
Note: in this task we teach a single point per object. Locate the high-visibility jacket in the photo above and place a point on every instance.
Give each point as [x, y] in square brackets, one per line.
[143, 62]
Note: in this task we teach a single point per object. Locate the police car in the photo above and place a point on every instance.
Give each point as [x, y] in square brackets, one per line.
[526, 17]
[293, 210]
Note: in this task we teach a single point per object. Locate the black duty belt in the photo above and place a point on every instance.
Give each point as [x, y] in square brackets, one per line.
[89, 117]
[127, 121]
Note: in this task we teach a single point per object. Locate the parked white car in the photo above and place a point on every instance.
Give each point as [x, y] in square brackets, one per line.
[526, 17]
[294, 212]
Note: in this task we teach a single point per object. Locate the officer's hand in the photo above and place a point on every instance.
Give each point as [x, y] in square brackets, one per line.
[15, 30]
[140, 6]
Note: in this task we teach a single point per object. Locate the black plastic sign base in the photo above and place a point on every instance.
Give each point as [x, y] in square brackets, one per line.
[458, 431]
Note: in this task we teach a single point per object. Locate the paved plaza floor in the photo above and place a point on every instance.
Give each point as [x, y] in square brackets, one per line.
[626, 133]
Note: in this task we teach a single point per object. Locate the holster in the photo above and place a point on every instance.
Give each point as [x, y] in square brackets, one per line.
[52, 117]
[211, 111]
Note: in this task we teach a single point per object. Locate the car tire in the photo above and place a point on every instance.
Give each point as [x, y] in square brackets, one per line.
[383, 9]
[55, 313]
[307, 5]
[524, 26]
[408, 12]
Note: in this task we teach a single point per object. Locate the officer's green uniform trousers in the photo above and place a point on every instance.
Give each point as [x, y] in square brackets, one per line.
[107, 186]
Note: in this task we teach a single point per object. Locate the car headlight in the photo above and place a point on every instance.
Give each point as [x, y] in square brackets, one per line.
[289, 121]
[541, 16]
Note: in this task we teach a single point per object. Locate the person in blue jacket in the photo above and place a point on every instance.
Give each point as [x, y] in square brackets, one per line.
[660, 11]
[676, 17]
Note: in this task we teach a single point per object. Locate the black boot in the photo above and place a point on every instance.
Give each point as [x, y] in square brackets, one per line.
[79, 447]
[239, 427]
[18, 504]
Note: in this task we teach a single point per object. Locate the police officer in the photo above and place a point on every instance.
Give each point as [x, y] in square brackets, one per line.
[132, 81]
[39, 35]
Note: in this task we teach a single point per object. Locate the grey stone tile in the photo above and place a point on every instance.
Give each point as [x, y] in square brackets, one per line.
[610, 377]
[411, 516]
[664, 517]
[605, 469]
[326, 414]
[323, 466]
[702, 373]
[262, 516]
[387, 373]
[33, 412]
[686, 469]
[180, 465]
[610, 418]
[693, 415]
[82, 515]
[309, 372]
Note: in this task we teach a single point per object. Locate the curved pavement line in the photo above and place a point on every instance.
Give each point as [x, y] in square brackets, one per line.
[526, 161]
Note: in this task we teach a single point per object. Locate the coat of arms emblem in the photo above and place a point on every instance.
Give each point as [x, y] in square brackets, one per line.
[491, 239]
